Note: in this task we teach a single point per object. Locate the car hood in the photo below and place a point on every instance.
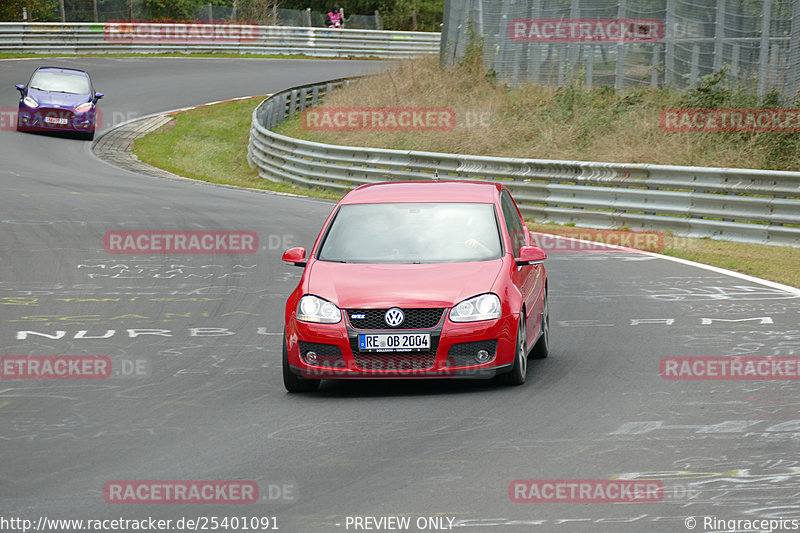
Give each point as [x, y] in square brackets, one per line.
[46, 98]
[354, 285]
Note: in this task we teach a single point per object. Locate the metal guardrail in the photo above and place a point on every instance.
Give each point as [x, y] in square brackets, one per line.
[147, 37]
[757, 206]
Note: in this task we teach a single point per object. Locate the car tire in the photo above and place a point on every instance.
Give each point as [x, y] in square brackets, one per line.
[292, 382]
[520, 368]
[87, 135]
[542, 347]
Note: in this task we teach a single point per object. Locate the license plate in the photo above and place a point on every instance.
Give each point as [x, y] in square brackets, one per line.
[394, 342]
[55, 120]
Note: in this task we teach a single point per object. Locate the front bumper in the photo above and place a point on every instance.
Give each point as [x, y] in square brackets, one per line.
[452, 354]
[52, 119]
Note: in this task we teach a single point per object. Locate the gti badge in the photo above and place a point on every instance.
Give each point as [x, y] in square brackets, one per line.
[394, 317]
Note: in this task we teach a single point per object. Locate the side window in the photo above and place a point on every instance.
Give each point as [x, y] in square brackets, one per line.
[513, 222]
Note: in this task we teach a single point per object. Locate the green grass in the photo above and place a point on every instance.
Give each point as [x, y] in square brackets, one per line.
[775, 263]
[210, 144]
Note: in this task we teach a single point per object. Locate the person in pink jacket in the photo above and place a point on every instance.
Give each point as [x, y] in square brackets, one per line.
[335, 19]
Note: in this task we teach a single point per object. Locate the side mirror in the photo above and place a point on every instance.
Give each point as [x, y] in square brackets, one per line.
[97, 96]
[296, 256]
[531, 255]
[20, 87]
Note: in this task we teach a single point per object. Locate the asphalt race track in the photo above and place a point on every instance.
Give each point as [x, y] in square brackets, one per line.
[205, 400]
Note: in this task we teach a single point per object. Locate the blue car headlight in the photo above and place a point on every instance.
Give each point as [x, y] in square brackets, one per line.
[30, 102]
[313, 309]
[83, 108]
[483, 307]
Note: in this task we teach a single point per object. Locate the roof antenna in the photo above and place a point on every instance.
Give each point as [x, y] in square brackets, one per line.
[436, 174]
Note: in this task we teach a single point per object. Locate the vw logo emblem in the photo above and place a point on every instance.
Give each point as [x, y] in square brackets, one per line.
[394, 317]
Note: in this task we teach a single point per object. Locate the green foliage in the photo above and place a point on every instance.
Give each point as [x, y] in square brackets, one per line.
[173, 9]
[396, 14]
[38, 10]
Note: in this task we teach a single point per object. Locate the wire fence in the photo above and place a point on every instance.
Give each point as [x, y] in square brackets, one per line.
[629, 43]
[138, 10]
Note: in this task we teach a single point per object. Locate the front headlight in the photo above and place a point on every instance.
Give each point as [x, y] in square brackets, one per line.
[83, 108]
[30, 102]
[313, 309]
[483, 307]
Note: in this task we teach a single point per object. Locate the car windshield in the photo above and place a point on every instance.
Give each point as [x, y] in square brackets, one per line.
[59, 82]
[412, 233]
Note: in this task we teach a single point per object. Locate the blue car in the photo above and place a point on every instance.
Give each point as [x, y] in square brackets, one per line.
[59, 100]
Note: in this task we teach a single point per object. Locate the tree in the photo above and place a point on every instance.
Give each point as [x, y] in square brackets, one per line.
[38, 10]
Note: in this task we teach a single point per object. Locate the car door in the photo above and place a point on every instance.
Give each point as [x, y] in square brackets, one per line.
[527, 278]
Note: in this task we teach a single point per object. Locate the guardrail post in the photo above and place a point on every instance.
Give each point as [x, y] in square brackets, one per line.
[303, 98]
[307, 17]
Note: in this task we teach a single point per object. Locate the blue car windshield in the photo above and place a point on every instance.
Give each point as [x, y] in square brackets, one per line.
[60, 82]
[412, 233]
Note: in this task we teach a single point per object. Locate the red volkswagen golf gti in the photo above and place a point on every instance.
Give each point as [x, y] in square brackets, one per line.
[417, 280]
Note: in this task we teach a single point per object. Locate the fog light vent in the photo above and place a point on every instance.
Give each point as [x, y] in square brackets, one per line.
[482, 356]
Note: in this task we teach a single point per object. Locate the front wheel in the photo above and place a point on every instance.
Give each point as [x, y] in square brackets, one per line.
[292, 382]
[520, 368]
[542, 347]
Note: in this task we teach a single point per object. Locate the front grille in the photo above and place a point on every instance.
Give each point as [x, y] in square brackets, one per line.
[43, 112]
[328, 355]
[463, 354]
[397, 362]
[432, 351]
[416, 318]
